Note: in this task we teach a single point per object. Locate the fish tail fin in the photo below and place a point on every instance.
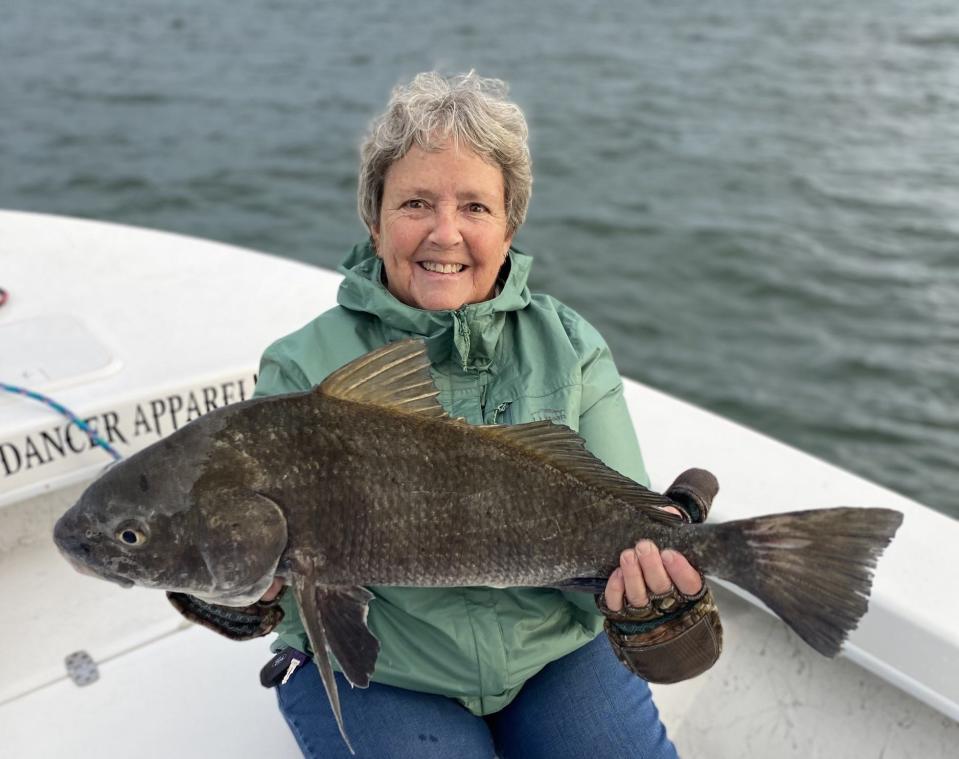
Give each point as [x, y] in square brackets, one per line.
[812, 568]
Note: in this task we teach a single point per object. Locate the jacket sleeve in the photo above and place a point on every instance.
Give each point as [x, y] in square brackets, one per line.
[679, 645]
[604, 422]
[278, 374]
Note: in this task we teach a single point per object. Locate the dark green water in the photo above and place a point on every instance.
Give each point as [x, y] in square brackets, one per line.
[756, 202]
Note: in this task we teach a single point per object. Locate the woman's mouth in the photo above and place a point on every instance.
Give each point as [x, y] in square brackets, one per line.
[441, 268]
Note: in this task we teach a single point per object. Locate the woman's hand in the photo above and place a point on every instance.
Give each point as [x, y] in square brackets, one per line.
[643, 570]
[655, 638]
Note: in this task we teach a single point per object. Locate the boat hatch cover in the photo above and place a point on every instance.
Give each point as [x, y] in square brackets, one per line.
[55, 350]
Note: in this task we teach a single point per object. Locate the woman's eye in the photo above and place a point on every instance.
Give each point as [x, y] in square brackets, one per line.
[478, 208]
[415, 204]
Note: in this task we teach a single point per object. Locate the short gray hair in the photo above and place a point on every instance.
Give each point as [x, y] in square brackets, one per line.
[431, 110]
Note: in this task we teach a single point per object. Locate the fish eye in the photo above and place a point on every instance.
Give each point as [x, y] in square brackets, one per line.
[131, 534]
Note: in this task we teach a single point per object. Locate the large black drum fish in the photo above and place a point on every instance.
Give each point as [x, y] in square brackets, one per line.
[365, 480]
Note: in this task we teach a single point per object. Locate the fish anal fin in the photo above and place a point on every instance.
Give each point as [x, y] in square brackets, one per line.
[561, 448]
[396, 376]
[343, 610]
[304, 590]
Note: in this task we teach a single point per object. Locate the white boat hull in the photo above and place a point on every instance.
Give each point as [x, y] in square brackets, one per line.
[166, 688]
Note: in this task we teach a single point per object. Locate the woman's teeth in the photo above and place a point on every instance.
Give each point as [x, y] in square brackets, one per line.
[441, 268]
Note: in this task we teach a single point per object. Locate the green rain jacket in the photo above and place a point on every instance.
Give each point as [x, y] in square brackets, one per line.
[515, 358]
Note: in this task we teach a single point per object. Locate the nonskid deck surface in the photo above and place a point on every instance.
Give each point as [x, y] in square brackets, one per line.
[770, 695]
[189, 694]
[57, 611]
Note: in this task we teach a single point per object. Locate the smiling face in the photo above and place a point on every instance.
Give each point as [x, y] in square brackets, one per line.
[442, 232]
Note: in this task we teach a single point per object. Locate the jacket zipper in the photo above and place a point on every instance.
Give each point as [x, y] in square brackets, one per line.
[464, 331]
[484, 382]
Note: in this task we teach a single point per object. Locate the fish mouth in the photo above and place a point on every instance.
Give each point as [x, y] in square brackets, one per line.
[85, 569]
[123, 582]
[78, 553]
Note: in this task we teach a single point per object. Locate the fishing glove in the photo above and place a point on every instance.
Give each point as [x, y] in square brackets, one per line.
[243, 623]
[675, 636]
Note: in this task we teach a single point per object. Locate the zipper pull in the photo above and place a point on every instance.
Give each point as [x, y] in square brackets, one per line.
[499, 410]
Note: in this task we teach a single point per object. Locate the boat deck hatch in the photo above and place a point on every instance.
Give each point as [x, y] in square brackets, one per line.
[51, 350]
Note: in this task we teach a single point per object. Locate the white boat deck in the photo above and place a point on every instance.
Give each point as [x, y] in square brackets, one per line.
[133, 351]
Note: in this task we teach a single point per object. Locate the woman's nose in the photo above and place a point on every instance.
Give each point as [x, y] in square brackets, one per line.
[446, 232]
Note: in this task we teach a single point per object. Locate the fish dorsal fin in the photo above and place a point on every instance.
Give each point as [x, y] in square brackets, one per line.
[396, 376]
[560, 447]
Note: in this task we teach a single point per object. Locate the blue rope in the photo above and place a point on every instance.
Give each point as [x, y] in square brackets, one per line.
[94, 437]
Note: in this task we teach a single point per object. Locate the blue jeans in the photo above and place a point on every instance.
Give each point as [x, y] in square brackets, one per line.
[586, 704]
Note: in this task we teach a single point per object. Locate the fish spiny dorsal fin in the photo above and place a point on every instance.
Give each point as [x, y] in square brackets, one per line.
[396, 376]
[560, 447]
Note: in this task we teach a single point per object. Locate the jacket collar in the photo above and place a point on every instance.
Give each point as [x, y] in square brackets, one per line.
[472, 331]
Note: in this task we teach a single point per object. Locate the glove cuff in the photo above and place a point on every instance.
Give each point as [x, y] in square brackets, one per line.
[246, 623]
[693, 492]
[675, 647]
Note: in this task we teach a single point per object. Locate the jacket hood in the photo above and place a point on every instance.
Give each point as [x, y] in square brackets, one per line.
[473, 330]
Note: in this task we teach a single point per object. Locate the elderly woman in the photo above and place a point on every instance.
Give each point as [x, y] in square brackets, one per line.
[444, 184]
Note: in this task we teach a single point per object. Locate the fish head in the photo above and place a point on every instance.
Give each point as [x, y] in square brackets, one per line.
[172, 518]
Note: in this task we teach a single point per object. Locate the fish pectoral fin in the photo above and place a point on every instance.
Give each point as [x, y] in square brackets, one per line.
[343, 610]
[396, 376]
[304, 590]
